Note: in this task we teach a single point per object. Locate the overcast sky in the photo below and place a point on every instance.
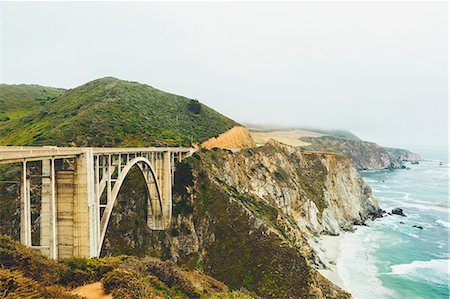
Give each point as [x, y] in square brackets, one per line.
[378, 69]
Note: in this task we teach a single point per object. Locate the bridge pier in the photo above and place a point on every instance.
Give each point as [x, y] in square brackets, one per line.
[25, 207]
[83, 199]
[46, 209]
[166, 188]
[65, 212]
[74, 191]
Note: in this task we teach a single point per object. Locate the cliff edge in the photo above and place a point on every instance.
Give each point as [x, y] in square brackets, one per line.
[365, 154]
[236, 137]
[252, 218]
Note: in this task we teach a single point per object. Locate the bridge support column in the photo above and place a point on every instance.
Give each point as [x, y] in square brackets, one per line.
[25, 207]
[76, 208]
[46, 209]
[166, 188]
[154, 219]
[65, 187]
[83, 207]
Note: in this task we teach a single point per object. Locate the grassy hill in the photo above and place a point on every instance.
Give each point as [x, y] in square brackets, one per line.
[341, 134]
[113, 112]
[19, 100]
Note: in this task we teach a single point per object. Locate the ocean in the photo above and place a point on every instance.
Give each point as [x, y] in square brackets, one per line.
[388, 259]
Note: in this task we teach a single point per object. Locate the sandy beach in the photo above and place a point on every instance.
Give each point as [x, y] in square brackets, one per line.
[332, 252]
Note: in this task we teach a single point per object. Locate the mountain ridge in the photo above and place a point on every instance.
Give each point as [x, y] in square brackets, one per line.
[17, 100]
[135, 114]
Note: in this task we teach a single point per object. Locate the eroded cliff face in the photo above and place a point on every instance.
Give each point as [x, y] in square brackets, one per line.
[321, 192]
[365, 155]
[252, 218]
[402, 154]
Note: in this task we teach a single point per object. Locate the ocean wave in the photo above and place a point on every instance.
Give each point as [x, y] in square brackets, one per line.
[357, 268]
[441, 266]
[395, 192]
[443, 223]
[422, 205]
[391, 202]
[441, 207]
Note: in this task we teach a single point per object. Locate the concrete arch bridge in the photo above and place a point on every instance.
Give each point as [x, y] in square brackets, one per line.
[78, 189]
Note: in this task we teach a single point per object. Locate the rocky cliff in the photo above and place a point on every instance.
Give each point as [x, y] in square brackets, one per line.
[399, 154]
[252, 218]
[366, 155]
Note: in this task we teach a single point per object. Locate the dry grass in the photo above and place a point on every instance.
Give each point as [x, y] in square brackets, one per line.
[291, 137]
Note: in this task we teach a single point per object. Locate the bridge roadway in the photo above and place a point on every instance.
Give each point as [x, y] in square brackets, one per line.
[78, 188]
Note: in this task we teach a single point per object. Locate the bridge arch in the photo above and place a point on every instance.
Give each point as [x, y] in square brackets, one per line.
[154, 202]
[74, 217]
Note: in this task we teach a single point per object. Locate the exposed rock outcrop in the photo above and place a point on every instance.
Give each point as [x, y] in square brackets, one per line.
[365, 155]
[399, 154]
[252, 218]
[398, 211]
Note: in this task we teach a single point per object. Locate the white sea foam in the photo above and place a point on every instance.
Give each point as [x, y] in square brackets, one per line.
[356, 265]
[441, 207]
[443, 223]
[420, 269]
[371, 273]
[406, 201]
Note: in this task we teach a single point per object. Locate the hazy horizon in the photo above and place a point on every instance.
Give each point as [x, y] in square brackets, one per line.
[377, 69]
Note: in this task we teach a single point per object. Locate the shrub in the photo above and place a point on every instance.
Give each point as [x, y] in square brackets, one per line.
[168, 274]
[227, 295]
[127, 284]
[80, 270]
[14, 285]
[195, 107]
[14, 255]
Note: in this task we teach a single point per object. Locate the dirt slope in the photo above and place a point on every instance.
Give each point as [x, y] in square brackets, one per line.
[236, 137]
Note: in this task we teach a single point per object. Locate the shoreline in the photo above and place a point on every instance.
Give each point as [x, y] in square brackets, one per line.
[331, 246]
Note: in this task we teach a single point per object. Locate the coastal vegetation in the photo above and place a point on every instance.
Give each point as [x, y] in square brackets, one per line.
[25, 273]
[106, 112]
[20, 100]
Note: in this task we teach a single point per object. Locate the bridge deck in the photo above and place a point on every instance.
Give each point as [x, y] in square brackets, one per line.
[13, 154]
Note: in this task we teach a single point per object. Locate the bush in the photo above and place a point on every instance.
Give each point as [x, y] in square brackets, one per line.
[228, 295]
[80, 271]
[14, 285]
[14, 255]
[170, 275]
[195, 107]
[127, 284]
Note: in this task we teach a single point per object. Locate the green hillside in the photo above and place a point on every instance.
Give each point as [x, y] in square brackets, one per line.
[19, 100]
[112, 112]
[341, 134]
